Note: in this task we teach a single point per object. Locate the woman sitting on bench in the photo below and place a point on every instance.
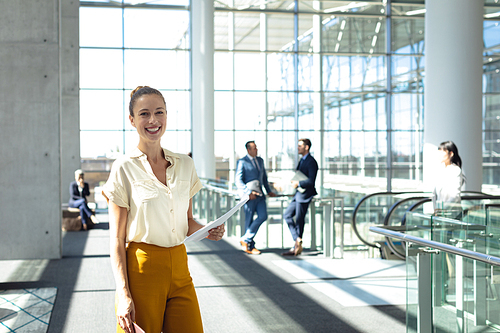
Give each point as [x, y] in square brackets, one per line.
[78, 191]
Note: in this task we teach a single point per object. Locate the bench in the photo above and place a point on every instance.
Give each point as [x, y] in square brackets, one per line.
[71, 220]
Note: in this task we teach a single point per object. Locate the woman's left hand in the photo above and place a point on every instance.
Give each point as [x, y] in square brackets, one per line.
[216, 233]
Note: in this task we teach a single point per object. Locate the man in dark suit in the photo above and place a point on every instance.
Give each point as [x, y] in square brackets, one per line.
[303, 196]
[250, 177]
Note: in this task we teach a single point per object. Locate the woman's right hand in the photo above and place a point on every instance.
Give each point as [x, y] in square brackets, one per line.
[125, 313]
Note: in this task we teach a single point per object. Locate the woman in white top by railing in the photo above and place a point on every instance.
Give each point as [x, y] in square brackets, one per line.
[449, 181]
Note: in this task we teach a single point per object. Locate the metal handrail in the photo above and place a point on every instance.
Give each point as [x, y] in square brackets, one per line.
[357, 207]
[217, 192]
[220, 190]
[492, 260]
[391, 245]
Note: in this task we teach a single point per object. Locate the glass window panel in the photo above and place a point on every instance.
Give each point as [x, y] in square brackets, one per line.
[407, 73]
[370, 113]
[345, 116]
[249, 71]
[223, 71]
[308, 75]
[382, 115]
[250, 111]
[408, 35]
[331, 152]
[346, 159]
[131, 140]
[280, 73]
[178, 110]
[344, 73]
[282, 149]
[177, 141]
[354, 7]
[221, 30]
[332, 116]
[353, 34]
[280, 32]
[101, 110]
[375, 74]
[358, 68]
[101, 27]
[406, 111]
[356, 114]
[101, 144]
[309, 111]
[224, 155]
[331, 73]
[101, 69]
[162, 2]
[247, 31]
[306, 33]
[491, 33]
[223, 110]
[281, 113]
[491, 77]
[491, 119]
[403, 155]
[224, 144]
[157, 69]
[170, 28]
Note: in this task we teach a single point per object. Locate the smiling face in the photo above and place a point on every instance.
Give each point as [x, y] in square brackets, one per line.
[150, 117]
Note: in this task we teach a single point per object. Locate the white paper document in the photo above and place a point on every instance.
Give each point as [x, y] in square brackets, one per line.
[299, 176]
[254, 185]
[203, 232]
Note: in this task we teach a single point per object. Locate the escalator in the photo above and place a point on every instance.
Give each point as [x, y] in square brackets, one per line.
[389, 209]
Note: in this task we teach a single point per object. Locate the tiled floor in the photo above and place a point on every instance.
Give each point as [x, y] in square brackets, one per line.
[26, 310]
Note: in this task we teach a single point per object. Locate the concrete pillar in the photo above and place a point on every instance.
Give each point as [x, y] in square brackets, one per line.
[202, 77]
[30, 183]
[70, 96]
[453, 84]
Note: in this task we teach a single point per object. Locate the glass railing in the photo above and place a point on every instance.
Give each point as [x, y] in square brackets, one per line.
[472, 210]
[324, 221]
[453, 273]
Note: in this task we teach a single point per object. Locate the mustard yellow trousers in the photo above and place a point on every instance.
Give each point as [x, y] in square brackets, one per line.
[162, 289]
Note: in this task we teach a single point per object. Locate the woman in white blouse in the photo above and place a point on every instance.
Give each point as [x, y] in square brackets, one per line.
[150, 213]
[446, 196]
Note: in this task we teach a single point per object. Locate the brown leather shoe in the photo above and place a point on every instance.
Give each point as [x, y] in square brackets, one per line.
[290, 252]
[298, 248]
[244, 246]
[254, 251]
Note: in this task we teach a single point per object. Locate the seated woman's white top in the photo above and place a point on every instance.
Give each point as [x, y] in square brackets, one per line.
[448, 187]
[157, 213]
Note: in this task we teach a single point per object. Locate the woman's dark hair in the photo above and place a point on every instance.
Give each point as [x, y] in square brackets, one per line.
[139, 92]
[450, 146]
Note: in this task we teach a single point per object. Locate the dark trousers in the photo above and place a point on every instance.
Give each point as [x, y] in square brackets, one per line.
[85, 211]
[299, 210]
